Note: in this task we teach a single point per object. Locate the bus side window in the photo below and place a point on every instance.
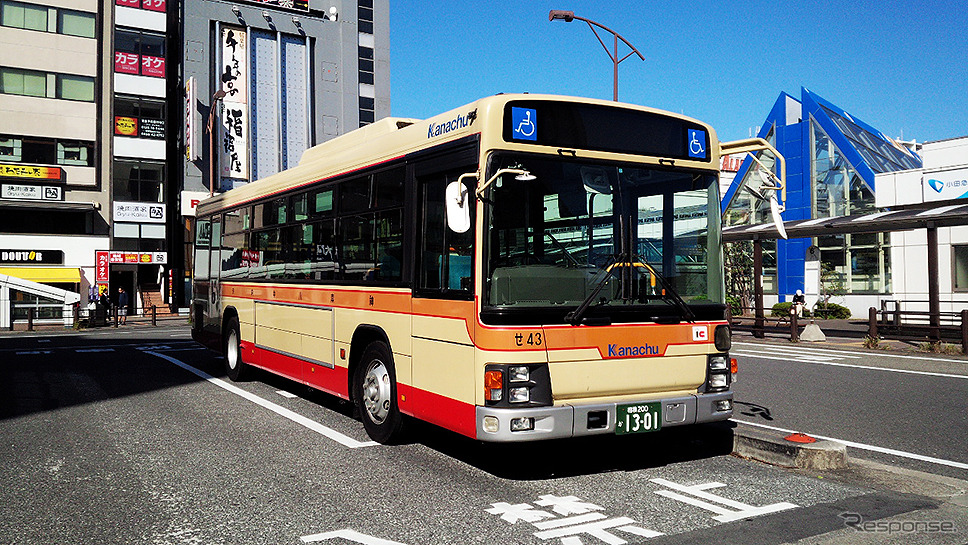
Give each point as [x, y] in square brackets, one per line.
[445, 257]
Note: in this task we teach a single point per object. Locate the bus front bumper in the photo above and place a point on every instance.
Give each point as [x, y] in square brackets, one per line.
[562, 421]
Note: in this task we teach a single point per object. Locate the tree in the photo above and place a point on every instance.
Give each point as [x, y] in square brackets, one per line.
[739, 273]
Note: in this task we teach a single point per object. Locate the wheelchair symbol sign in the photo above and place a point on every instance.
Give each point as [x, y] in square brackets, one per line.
[697, 143]
[524, 124]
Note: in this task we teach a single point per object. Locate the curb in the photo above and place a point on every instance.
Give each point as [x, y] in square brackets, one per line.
[773, 449]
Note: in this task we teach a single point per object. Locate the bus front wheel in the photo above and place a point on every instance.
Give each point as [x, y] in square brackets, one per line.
[235, 368]
[375, 392]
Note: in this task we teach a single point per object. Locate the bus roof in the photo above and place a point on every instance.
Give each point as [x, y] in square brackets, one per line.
[391, 138]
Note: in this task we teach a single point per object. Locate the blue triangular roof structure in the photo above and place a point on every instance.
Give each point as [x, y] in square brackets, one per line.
[867, 149]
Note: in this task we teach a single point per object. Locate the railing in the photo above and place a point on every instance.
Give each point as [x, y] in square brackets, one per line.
[35, 315]
[914, 324]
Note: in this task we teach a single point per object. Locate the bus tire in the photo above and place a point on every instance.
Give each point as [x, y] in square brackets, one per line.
[375, 394]
[235, 368]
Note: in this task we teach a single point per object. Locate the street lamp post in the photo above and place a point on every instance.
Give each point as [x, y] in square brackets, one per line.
[569, 16]
[219, 95]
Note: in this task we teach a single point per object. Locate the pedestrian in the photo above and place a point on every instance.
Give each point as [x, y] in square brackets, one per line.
[122, 305]
[799, 301]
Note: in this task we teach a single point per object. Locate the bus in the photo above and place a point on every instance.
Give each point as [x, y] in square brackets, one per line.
[525, 267]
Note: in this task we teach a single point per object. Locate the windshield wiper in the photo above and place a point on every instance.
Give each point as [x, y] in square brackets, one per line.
[667, 290]
[575, 317]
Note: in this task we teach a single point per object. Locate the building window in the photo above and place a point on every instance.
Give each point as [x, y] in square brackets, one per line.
[75, 23]
[139, 181]
[46, 151]
[139, 117]
[838, 189]
[25, 16]
[959, 263]
[47, 19]
[33, 83]
[366, 67]
[139, 53]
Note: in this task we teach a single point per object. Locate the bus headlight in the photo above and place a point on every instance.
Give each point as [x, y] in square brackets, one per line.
[519, 373]
[718, 381]
[519, 395]
[717, 363]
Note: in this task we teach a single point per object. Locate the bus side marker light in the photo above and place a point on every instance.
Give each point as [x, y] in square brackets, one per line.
[733, 367]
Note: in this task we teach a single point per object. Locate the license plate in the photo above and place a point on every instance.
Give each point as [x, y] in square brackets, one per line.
[638, 418]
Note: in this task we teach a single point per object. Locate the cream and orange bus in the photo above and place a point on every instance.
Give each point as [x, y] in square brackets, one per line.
[525, 267]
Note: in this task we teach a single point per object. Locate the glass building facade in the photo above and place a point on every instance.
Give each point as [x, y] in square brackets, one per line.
[832, 158]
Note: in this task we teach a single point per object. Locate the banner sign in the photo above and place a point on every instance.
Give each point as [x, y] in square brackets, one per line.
[293, 5]
[142, 258]
[234, 77]
[945, 186]
[125, 126]
[102, 274]
[151, 128]
[32, 192]
[139, 212]
[32, 172]
[192, 121]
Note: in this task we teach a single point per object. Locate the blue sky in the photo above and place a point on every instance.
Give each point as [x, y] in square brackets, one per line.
[899, 66]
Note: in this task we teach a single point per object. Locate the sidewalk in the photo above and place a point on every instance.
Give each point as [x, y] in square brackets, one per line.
[850, 333]
[132, 321]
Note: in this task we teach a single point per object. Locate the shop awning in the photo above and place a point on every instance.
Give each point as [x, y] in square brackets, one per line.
[44, 275]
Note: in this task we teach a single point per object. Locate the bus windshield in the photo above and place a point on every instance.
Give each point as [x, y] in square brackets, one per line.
[616, 242]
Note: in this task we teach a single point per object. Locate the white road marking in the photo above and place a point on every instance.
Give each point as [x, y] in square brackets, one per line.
[93, 350]
[281, 411]
[287, 395]
[32, 352]
[707, 500]
[350, 535]
[862, 446]
[767, 355]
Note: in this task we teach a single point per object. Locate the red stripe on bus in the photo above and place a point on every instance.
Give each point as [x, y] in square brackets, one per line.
[439, 410]
[330, 380]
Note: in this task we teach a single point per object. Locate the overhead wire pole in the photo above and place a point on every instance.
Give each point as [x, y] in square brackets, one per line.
[569, 16]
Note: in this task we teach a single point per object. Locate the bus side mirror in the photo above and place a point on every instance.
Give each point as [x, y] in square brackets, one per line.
[458, 204]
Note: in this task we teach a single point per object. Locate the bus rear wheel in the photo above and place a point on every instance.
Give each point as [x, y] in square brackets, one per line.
[235, 368]
[375, 393]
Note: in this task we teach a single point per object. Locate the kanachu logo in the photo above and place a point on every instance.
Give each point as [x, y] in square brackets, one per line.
[936, 185]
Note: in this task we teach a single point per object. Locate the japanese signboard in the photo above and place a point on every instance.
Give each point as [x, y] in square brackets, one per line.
[234, 137]
[151, 5]
[234, 73]
[139, 212]
[32, 192]
[125, 126]
[137, 257]
[30, 171]
[294, 5]
[192, 123]
[126, 63]
[151, 128]
[102, 273]
[152, 66]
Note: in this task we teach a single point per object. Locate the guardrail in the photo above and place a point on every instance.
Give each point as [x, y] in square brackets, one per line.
[914, 324]
[80, 317]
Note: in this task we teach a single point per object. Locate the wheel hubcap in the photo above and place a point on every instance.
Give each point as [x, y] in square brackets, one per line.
[232, 352]
[376, 391]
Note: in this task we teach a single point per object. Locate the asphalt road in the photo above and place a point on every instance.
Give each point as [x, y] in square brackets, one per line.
[910, 403]
[134, 436]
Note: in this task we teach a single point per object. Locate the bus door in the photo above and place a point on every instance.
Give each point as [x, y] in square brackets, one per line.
[205, 312]
[443, 303]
